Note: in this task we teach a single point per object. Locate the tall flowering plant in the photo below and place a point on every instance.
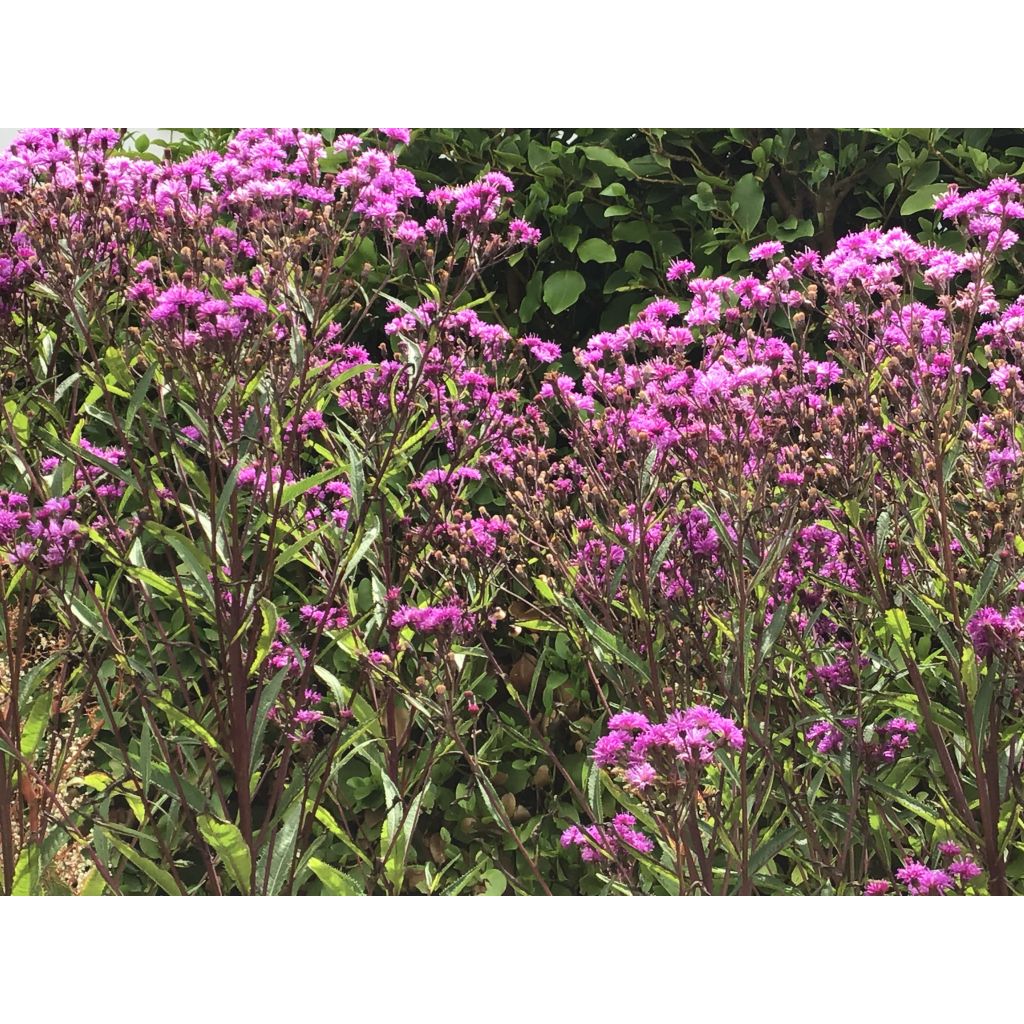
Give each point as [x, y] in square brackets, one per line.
[309, 536]
[814, 541]
[239, 365]
[664, 765]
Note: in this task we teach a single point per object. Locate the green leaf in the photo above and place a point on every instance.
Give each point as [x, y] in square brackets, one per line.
[300, 487]
[596, 250]
[568, 235]
[162, 878]
[607, 642]
[372, 532]
[897, 628]
[984, 585]
[922, 199]
[601, 155]
[969, 672]
[226, 839]
[748, 202]
[284, 849]
[531, 298]
[539, 157]
[268, 695]
[26, 872]
[325, 819]
[911, 803]
[139, 395]
[35, 724]
[93, 884]
[494, 882]
[462, 881]
[336, 882]
[178, 717]
[770, 848]
[778, 621]
[197, 563]
[562, 289]
[268, 631]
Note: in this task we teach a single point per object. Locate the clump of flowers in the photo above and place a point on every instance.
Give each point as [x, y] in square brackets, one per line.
[992, 633]
[662, 763]
[45, 536]
[600, 842]
[449, 619]
[298, 715]
[920, 880]
[889, 741]
[719, 499]
[643, 754]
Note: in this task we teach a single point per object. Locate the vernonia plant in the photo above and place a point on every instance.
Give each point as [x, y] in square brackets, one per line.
[791, 535]
[317, 580]
[207, 319]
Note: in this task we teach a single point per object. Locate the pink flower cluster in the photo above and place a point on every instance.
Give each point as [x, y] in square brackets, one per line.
[278, 173]
[992, 633]
[45, 536]
[324, 617]
[97, 477]
[601, 842]
[890, 740]
[986, 212]
[647, 754]
[299, 719]
[921, 880]
[450, 619]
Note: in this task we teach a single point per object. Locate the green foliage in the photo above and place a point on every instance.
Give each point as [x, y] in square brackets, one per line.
[616, 206]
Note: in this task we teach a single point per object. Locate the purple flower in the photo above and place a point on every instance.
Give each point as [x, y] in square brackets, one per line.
[766, 250]
[679, 269]
[542, 351]
[965, 869]
[988, 632]
[396, 134]
[440, 619]
[631, 720]
[520, 232]
[641, 775]
[608, 748]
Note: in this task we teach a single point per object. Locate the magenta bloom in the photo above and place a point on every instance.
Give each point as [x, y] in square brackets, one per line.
[766, 250]
[446, 619]
[642, 752]
[679, 269]
[396, 134]
[542, 351]
[988, 632]
[632, 720]
[607, 748]
[641, 775]
[598, 842]
[992, 633]
[965, 869]
[520, 232]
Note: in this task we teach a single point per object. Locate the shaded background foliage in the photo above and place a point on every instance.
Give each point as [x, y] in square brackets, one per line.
[617, 205]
